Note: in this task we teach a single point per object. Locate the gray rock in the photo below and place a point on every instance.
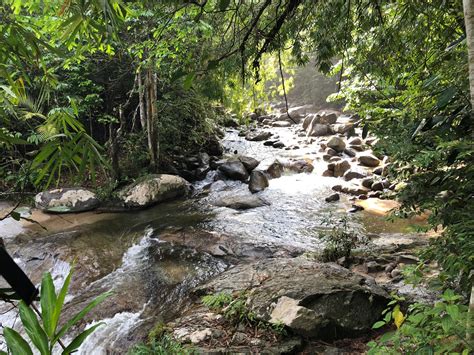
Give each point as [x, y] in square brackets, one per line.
[234, 170]
[355, 141]
[328, 118]
[367, 182]
[337, 144]
[258, 136]
[328, 173]
[368, 160]
[353, 174]
[300, 166]
[258, 181]
[272, 167]
[308, 119]
[241, 202]
[152, 189]
[377, 186]
[249, 162]
[331, 152]
[342, 127]
[350, 152]
[317, 129]
[278, 145]
[342, 303]
[66, 200]
[281, 124]
[341, 167]
[333, 198]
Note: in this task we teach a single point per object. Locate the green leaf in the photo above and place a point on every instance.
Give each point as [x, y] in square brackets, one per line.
[378, 325]
[15, 215]
[81, 315]
[61, 297]
[48, 304]
[77, 341]
[33, 329]
[15, 343]
[188, 81]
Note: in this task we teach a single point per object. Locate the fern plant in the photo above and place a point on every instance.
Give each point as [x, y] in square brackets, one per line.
[46, 334]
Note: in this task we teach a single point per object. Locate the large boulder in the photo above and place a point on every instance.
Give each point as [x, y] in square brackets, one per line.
[368, 160]
[240, 202]
[300, 111]
[273, 167]
[328, 118]
[308, 119]
[258, 136]
[317, 129]
[342, 127]
[258, 181]
[249, 162]
[337, 144]
[234, 170]
[334, 301]
[66, 200]
[152, 189]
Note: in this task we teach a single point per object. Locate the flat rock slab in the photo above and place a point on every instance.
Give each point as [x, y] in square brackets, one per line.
[346, 304]
[240, 202]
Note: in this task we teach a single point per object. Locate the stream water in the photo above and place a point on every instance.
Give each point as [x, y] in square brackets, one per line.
[135, 254]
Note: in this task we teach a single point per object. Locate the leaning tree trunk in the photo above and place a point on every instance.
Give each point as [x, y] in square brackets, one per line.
[141, 100]
[468, 6]
[151, 116]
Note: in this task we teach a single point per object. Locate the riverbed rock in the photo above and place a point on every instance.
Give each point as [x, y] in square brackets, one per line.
[249, 162]
[353, 174]
[340, 303]
[278, 145]
[308, 119]
[337, 144]
[152, 189]
[300, 111]
[332, 198]
[258, 136]
[281, 124]
[317, 129]
[234, 170]
[368, 160]
[258, 181]
[350, 152]
[367, 182]
[300, 166]
[273, 167]
[66, 200]
[355, 141]
[240, 202]
[328, 118]
[342, 127]
[340, 167]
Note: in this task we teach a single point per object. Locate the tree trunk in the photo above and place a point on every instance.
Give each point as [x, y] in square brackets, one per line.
[141, 101]
[151, 115]
[468, 6]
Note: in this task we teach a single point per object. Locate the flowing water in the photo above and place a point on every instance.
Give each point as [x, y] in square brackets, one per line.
[150, 274]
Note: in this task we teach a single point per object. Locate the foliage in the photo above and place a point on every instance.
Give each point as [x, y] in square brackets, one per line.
[340, 240]
[46, 335]
[163, 346]
[437, 329]
[235, 309]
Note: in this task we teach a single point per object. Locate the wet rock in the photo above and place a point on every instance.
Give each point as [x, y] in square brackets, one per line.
[341, 167]
[326, 157]
[281, 124]
[241, 202]
[379, 171]
[355, 208]
[332, 198]
[355, 141]
[258, 181]
[367, 182]
[353, 174]
[377, 186]
[328, 173]
[317, 129]
[342, 303]
[278, 145]
[342, 127]
[368, 160]
[350, 152]
[331, 152]
[335, 159]
[258, 136]
[270, 143]
[300, 166]
[272, 167]
[234, 170]
[152, 189]
[249, 162]
[328, 118]
[374, 194]
[66, 200]
[214, 147]
[307, 121]
[337, 144]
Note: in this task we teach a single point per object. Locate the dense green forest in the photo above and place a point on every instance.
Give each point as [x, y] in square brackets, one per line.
[99, 93]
